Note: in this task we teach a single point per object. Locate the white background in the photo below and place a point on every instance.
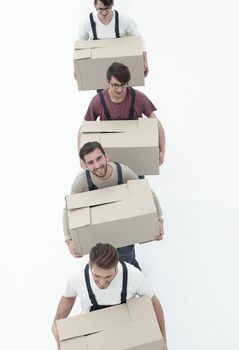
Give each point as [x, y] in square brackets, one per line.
[194, 78]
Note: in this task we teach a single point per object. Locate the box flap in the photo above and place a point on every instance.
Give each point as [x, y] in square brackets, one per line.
[139, 188]
[130, 40]
[88, 137]
[79, 218]
[130, 139]
[109, 126]
[82, 54]
[92, 322]
[140, 308]
[127, 209]
[97, 197]
[136, 335]
[148, 123]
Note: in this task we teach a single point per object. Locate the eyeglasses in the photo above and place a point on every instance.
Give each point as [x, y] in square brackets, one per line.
[105, 9]
[117, 86]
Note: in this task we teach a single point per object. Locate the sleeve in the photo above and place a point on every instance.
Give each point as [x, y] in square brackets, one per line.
[141, 283]
[77, 187]
[92, 111]
[157, 204]
[70, 290]
[66, 230]
[128, 174]
[132, 30]
[84, 30]
[147, 106]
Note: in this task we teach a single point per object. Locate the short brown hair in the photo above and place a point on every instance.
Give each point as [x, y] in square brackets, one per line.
[105, 2]
[90, 147]
[119, 71]
[104, 256]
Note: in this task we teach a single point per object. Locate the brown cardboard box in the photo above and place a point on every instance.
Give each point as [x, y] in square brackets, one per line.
[130, 142]
[120, 215]
[131, 326]
[92, 58]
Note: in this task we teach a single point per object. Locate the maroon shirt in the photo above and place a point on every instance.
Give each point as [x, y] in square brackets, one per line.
[119, 111]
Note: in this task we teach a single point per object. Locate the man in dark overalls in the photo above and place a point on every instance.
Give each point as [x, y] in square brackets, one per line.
[100, 173]
[106, 23]
[103, 282]
[121, 102]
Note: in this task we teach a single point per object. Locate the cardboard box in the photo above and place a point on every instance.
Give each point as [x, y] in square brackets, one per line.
[131, 326]
[92, 58]
[130, 142]
[120, 215]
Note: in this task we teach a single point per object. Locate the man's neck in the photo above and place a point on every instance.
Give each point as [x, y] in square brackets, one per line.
[115, 98]
[108, 173]
[106, 20]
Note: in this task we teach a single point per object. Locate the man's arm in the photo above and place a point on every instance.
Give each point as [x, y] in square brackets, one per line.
[146, 67]
[161, 139]
[77, 187]
[78, 140]
[64, 308]
[160, 318]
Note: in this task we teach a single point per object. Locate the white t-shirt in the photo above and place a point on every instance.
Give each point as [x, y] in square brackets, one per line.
[138, 285]
[127, 27]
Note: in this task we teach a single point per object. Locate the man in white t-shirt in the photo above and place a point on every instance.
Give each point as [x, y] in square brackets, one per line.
[103, 282]
[106, 23]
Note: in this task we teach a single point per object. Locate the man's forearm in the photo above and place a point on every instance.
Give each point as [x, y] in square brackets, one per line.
[161, 137]
[66, 230]
[64, 307]
[78, 140]
[159, 315]
[157, 204]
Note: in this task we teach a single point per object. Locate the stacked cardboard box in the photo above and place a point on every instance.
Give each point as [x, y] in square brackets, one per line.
[120, 215]
[130, 142]
[131, 326]
[92, 59]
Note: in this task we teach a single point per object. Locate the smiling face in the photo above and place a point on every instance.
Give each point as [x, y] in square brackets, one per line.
[103, 277]
[96, 163]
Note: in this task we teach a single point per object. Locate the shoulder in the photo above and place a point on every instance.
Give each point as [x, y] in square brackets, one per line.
[134, 274]
[79, 183]
[140, 95]
[124, 18]
[76, 275]
[128, 174]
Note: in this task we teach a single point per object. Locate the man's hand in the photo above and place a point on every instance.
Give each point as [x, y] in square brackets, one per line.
[55, 333]
[72, 249]
[161, 157]
[159, 237]
[146, 67]
[165, 347]
[146, 70]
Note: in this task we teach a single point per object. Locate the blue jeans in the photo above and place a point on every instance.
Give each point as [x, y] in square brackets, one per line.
[127, 254]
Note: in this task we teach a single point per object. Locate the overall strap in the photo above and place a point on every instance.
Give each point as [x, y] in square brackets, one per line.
[102, 99]
[89, 289]
[125, 283]
[132, 103]
[91, 186]
[117, 34]
[119, 173]
[93, 26]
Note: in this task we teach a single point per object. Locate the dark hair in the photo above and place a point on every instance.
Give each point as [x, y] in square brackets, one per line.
[105, 2]
[119, 71]
[104, 256]
[90, 147]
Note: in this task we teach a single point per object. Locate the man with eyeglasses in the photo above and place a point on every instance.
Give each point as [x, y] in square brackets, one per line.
[106, 23]
[121, 102]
